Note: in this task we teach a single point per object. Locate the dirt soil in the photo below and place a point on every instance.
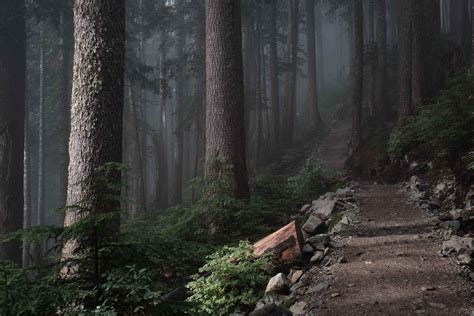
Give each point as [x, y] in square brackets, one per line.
[393, 264]
[392, 250]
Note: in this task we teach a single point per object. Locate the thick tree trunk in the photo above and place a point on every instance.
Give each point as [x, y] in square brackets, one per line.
[315, 117]
[12, 112]
[472, 33]
[178, 176]
[381, 76]
[274, 83]
[405, 60]
[225, 126]
[96, 112]
[26, 256]
[433, 70]
[290, 76]
[418, 52]
[358, 75]
[63, 106]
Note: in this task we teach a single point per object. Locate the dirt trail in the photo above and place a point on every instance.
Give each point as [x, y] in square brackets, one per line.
[392, 249]
[335, 150]
[393, 266]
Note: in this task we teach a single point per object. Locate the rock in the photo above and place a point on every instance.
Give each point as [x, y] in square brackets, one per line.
[323, 208]
[318, 288]
[271, 310]
[298, 308]
[456, 214]
[453, 225]
[308, 250]
[314, 225]
[464, 260]
[444, 217]
[319, 242]
[333, 295]
[342, 260]
[279, 284]
[414, 183]
[305, 208]
[317, 257]
[270, 299]
[458, 245]
[295, 276]
[341, 225]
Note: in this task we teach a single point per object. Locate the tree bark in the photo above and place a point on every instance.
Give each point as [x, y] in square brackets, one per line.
[225, 126]
[274, 82]
[178, 177]
[472, 33]
[372, 56]
[162, 179]
[12, 118]
[381, 76]
[315, 117]
[97, 110]
[418, 51]
[405, 60]
[290, 77]
[358, 75]
[319, 44]
[260, 85]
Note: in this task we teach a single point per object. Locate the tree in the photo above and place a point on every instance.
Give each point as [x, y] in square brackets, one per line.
[372, 63]
[312, 73]
[472, 33]
[225, 126]
[274, 83]
[405, 60]
[178, 177]
[358, 75]
[418, 51]
[290, 77]
[12, 118]
[381, 75]
[97, 109]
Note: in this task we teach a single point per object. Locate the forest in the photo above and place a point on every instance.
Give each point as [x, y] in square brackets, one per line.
[236, 157]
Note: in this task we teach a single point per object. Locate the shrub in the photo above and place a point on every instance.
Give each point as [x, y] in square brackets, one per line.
[231, 280]
[445, 127]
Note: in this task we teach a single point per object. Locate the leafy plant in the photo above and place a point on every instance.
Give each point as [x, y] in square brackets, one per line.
[232, 280]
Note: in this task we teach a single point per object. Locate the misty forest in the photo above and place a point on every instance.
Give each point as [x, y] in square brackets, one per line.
[236, 157]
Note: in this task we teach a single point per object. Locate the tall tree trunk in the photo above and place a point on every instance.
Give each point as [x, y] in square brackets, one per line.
[96, 112]
[65, 68]
[372, 56]
[225, 126]
[260, 85]
[178, 177]
[162, 179]
[319, 44]
[41, 160]
[26, 256]
[358, 75]
[405, 60]
[12, 117]
[433, 71]
[381, 77]
[290, 76]
[315, 117]
[274, 82]
[472, 33]
[418, 52]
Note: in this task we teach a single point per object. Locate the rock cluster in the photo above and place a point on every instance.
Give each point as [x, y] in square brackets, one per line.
[327, 215]
[459, 221]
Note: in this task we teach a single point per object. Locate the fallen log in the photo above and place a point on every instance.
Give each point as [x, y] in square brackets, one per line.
[285, 244]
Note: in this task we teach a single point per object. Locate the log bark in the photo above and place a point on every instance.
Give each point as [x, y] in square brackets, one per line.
[285, 244]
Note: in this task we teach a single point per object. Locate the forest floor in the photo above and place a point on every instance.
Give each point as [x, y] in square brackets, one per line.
[392, 248]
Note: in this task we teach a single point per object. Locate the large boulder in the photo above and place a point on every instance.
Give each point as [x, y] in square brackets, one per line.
[314, 225]
[319, 242]
[279, 284]
[458, 245]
